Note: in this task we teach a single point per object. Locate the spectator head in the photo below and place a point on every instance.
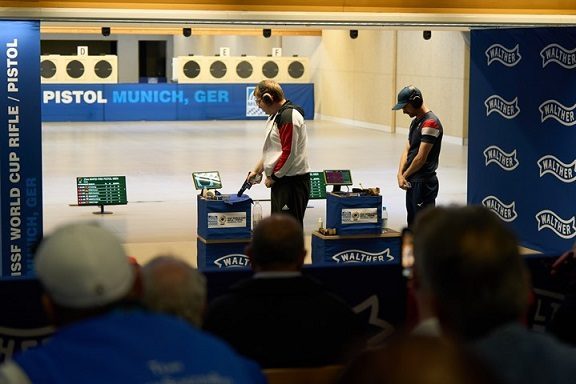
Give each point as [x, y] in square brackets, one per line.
[173, 286]
[277, 244]
[84, 270]
[468, 263]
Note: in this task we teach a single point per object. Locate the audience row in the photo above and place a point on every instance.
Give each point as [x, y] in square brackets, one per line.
[118, 322]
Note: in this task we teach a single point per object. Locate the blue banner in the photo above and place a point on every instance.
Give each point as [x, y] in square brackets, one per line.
[161, 102]
[20, 140]
[522, 133]
[24, 323]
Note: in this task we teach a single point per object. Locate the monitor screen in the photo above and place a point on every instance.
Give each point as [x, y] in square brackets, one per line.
[101, 190]
[207, 180]
[338, 177]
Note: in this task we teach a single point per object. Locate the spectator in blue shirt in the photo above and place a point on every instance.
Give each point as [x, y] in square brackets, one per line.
[102, 337]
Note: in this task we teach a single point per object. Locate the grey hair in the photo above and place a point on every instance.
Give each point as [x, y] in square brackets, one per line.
[172, 286]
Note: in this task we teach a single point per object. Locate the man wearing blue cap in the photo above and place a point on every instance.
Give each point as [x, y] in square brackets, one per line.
[419, 161]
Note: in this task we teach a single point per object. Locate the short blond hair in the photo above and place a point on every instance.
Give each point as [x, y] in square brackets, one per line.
[270, 87]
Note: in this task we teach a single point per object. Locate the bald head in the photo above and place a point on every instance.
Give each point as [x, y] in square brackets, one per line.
[277, 243]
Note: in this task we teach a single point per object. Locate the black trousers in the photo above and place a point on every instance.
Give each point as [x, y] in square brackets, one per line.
[422, 194]
[290, 195]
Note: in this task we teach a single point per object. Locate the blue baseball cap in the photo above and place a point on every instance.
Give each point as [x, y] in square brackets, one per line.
[406, 95]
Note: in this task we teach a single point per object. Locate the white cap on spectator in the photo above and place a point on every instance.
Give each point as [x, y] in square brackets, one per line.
[83, 265]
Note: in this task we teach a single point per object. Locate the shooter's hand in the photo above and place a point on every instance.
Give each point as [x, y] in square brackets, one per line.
[268, 182]
[403, 183]
[254, 177]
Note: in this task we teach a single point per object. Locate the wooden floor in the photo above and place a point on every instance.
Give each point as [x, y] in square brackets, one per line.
[158, 159]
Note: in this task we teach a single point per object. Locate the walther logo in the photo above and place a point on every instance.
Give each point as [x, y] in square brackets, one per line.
[505, 212]
[551, 109]
[507, 109]
[563, 228]
[234, 260]
[508, 57]
[564, 172]
[359, 256]
[506, 161]
[555, 53]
